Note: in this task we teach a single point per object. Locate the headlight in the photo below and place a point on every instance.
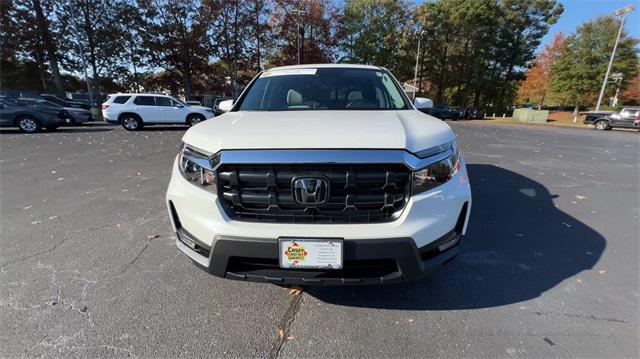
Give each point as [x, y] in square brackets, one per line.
[196, 168]
[437, 173]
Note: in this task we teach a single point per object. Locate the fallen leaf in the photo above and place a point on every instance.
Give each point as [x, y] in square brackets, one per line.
[153, 236]
[410, 320]
[61, 179]
[118, 225]
[280, 333]
[578, 196]
[602, 271]
[36, 222]
[295, 290]
[291, 337]
[27, 207]
[53, 217]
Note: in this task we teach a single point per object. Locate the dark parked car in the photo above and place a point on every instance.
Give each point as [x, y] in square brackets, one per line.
[62, 102]
[70, 115]
[444, 112]
[477, 113]
[461, 112]
[628, 117]
[14, 113]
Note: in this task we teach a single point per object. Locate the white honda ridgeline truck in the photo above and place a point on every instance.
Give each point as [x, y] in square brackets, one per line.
[320, 175]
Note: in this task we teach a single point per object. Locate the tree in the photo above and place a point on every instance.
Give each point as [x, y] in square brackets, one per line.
[579, 71]
[372, 32]
[318, 26]
[174, 35]
[98, 27]
[631, 95]
[536, 85]
[475, 50]
[459, 34]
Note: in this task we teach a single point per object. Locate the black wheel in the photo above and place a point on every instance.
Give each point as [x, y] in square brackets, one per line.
[131, 122]
[28, 124]
[193, 119]
[601, 125]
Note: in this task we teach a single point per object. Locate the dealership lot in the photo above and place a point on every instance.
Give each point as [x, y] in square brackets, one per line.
[549, 267]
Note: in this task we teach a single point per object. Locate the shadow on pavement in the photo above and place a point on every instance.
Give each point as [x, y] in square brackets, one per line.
[518, 245]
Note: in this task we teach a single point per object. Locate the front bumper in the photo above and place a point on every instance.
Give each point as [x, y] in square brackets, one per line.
[401, 250]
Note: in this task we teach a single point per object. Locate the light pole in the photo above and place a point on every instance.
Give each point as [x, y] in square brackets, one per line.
[620, 12]
[298, 13]
[415, 75]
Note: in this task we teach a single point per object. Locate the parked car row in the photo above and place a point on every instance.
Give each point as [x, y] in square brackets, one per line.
[28, 118]
[628, 117]
[445, 112]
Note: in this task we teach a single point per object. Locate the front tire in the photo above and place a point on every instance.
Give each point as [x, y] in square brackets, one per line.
[193, 120]
[28, 124]
[131, 123]
[601, 125]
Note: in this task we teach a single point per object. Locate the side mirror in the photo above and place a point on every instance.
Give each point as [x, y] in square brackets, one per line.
[422, 103]
[225, 106]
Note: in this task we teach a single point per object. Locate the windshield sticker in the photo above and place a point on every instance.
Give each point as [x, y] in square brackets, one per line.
[285, 72]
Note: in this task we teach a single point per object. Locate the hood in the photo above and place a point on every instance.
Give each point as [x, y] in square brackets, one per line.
[408, 129]
[203, 108]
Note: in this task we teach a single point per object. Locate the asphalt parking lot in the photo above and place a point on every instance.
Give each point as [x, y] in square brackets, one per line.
[549, 268]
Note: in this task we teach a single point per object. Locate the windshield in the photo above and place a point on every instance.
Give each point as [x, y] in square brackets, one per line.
[324, 89]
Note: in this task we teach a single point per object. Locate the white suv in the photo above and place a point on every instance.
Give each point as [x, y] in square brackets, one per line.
[320, 175]
[133, 111]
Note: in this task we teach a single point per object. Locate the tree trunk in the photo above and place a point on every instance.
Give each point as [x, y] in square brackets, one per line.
[440, 93]
[258, 10]
[43, 27]
[39, 55]
[541, 101]
[422, 55]
[575, 113]
[186, 80]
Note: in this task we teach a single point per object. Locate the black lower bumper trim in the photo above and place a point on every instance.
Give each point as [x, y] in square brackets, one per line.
[371, 261]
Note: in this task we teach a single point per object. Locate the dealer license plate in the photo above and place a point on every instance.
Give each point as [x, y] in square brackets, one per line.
[310, 253]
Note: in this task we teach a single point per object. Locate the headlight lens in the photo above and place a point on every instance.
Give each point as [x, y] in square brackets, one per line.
[196, 168]
[436, 173]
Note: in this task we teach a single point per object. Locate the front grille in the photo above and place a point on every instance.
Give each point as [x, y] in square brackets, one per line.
[357, 193]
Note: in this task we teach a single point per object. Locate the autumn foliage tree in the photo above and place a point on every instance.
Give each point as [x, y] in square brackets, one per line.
[536, 86]
[631, 96]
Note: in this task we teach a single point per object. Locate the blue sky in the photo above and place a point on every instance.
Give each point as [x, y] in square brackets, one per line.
[578, 11]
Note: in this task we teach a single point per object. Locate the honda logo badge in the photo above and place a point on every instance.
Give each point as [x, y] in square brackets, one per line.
[310, 190]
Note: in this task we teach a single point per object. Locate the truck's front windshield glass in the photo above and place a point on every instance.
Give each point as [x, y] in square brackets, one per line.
[323, 89]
